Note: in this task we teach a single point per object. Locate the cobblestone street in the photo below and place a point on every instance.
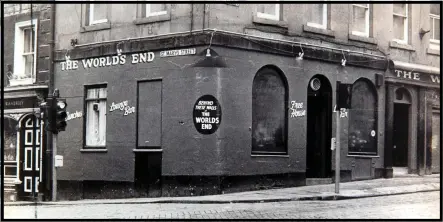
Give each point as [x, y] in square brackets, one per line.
[425, 205]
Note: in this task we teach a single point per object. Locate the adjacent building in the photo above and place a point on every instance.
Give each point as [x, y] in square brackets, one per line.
[26, 74]
[196, 99]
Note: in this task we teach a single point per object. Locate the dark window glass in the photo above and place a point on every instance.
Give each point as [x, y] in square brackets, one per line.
[363, 119]
[268, 113]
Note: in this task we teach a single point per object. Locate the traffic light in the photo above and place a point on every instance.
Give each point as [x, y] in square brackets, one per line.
[60, 115]
[56, 115]
[50, 114]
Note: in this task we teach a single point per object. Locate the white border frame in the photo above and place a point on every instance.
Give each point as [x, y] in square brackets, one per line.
[270, 16]
[18, 53]
[148, 12]
[26, 159]
[324, 19]
[26, 137]
[434, 43]
[25, 187]
[367, 13]
[91, 16]
[406, 24]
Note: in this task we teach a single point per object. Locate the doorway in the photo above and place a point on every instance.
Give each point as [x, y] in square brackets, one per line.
[319, 112]
[30, 153]
[148, 152]
[401, 135]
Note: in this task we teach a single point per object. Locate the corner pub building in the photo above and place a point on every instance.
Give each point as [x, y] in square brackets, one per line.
[179, 103]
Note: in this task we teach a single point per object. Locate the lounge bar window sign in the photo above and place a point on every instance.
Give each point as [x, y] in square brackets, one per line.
[430, 78]
[207, 114]
[135, 58]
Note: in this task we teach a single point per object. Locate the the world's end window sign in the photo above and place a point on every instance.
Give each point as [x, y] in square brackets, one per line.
[207, 114]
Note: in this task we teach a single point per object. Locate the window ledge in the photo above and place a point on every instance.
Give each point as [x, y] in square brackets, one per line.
[362, 39]
[96, 27]
[326, 32]
[433, 51]
[256, 19]
[267, 155]
[92, 150]
[363, 156]
[394, 44]
[152, 19]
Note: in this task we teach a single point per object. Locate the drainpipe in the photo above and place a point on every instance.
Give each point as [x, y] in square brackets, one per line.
[48, 153]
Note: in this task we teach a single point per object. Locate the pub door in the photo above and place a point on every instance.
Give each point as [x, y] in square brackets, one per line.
[30, 157]
[401, 132]
[319, 112]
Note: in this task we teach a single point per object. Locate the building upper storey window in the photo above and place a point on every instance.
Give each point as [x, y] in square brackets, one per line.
[154, 10]
[435, 27]
[97, 13]
[318, 16]
[24, 53]
[268, 11]
[360, 19]
[401, 16]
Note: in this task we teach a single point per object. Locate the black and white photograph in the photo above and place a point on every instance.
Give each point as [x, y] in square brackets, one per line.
[221, 110]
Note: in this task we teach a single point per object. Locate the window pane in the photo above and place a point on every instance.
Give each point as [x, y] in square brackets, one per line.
[9, 139]
[362, 118]
[268, 113]
[359, 19]
[400, 9]
[29, 65]
[99, 11]
[92, 93]
[157, 7]
[437, 29]
[317, 13]
[399, 31]
[102, 92]
[267, 8]
[435, 9]
[28, 44]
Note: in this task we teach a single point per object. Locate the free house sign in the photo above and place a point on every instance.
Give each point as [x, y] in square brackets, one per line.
[207, 114]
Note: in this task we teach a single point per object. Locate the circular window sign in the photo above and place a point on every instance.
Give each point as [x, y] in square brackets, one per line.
[207, 114]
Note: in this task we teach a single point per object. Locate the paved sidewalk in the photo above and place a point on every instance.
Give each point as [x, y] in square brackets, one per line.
[349, 190]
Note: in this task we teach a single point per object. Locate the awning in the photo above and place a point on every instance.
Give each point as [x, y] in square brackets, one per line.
[414, 67]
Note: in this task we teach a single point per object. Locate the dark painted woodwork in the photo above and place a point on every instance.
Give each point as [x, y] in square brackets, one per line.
[421, 140]
[319, 117]
[149, 117]
[401, 135]
[389, 126]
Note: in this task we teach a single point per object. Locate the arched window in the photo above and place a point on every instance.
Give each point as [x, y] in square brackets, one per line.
[269, 113]
[363, 119]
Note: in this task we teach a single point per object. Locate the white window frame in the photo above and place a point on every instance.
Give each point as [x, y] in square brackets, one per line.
[101, 125]
[367, 12]
[19, 60]
[406, 24]
[148, 12]
[275, 16]
[324, 24]
[434, 43]
[91, 16]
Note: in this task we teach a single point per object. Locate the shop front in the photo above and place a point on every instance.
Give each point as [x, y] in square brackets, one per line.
[23, 142]
[184, 119]
[412, 119]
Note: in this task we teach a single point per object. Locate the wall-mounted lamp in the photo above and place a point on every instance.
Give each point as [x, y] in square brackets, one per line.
[208, 50]
[300, 54]
[119, 50]
[74, 42]
[343, 61]
[422, 32]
